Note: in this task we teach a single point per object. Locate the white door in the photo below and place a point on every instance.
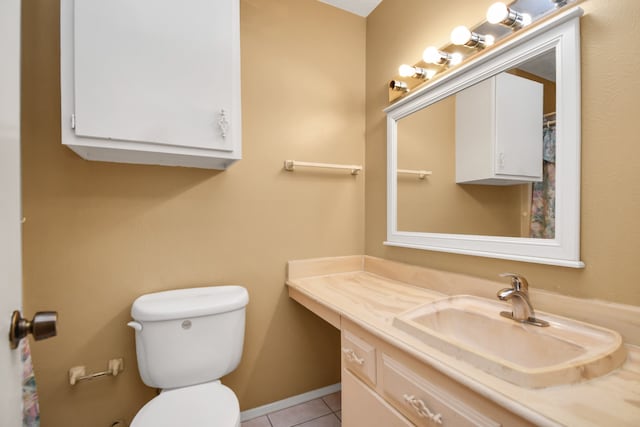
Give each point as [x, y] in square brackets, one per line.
[10, 244]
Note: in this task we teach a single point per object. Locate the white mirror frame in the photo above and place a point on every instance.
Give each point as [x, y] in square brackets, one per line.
[562, 33]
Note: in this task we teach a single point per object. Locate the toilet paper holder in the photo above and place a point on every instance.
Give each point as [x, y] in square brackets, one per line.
[79, 373]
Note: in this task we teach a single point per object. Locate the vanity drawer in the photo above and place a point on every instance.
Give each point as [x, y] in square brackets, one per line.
[359, 357]
[424, 403]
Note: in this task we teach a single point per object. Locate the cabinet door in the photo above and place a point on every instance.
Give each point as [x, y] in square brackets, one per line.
[361, 407]
[518, 113]
[157, 71]
[499, 131]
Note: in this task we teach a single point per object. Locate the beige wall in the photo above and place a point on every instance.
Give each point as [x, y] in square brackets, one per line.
[398, 31]
[98, 234]
[426, 140]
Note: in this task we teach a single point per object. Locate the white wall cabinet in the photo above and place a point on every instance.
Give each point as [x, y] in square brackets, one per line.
[499, 131]
[152, 81]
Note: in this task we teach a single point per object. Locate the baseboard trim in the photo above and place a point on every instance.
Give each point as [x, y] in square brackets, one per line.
[250, 414]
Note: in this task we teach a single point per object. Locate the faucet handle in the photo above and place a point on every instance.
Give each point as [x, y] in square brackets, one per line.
[518, 282]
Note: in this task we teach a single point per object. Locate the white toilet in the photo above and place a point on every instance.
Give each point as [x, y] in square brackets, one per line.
[185, 341]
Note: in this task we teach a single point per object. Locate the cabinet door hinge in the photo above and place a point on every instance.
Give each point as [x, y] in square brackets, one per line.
[73, 121]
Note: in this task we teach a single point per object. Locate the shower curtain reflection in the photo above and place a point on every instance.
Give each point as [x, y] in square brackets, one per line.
[543, 194]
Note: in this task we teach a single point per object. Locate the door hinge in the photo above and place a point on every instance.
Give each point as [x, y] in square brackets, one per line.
[73, 121]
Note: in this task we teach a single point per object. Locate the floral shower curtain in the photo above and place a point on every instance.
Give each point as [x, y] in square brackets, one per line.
[543, 194]
[30, 406]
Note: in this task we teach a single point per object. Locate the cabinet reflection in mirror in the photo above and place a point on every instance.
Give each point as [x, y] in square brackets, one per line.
[492, 154]
[501, 136]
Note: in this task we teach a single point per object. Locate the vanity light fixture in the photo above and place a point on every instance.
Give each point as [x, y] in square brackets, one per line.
[415, 72]
[499, 13]
[432, 55]
[398, 85]
[462, 36]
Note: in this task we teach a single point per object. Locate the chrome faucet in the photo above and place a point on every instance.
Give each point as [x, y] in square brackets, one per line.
[518, 293]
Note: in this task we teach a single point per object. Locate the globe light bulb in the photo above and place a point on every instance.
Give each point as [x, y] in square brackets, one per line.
[432, 55]
[489, 40]
[456, 59]
[460, 35]
[406, 70]
[415, 72]
[497, 13]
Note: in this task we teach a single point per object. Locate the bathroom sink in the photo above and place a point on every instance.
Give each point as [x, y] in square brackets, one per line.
[471, 329]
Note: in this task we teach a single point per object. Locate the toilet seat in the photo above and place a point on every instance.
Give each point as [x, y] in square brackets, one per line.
[208, 405]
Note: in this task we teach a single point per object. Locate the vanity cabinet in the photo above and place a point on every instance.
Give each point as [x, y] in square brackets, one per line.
[499, 131]
[404, 391]
[151, 81]
[364, 408]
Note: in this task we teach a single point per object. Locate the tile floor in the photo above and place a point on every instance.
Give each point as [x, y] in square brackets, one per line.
[321, 412]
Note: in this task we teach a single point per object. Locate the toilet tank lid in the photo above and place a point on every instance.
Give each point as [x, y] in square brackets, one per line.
[192, 302]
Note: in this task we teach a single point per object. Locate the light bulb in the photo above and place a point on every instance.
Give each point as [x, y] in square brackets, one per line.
[456, 59]
[460, 35]
[406, 70]
[415, 72]
[489, 40]
[463, 36]
[431, 55]
[497, 13]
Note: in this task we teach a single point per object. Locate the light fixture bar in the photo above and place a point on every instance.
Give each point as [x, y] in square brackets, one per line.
[450, 55]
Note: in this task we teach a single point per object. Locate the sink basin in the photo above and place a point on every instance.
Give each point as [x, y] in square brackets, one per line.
[471, 329]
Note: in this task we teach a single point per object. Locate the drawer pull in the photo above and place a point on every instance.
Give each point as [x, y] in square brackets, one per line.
[422, 409]
[352, 356]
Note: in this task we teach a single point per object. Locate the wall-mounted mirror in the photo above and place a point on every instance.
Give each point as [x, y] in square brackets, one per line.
[501, 138]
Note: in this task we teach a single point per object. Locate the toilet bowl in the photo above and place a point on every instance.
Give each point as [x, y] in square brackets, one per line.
[186, 340]
[209, 404]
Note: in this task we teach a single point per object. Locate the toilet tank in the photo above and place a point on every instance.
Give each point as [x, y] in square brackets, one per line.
[189, 336]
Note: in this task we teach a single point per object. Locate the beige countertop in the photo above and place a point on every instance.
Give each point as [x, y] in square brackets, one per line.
[370, 292]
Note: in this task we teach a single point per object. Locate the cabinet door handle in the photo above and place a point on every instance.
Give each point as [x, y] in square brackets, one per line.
[351, 356]
[223, 123]
[422, 409]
